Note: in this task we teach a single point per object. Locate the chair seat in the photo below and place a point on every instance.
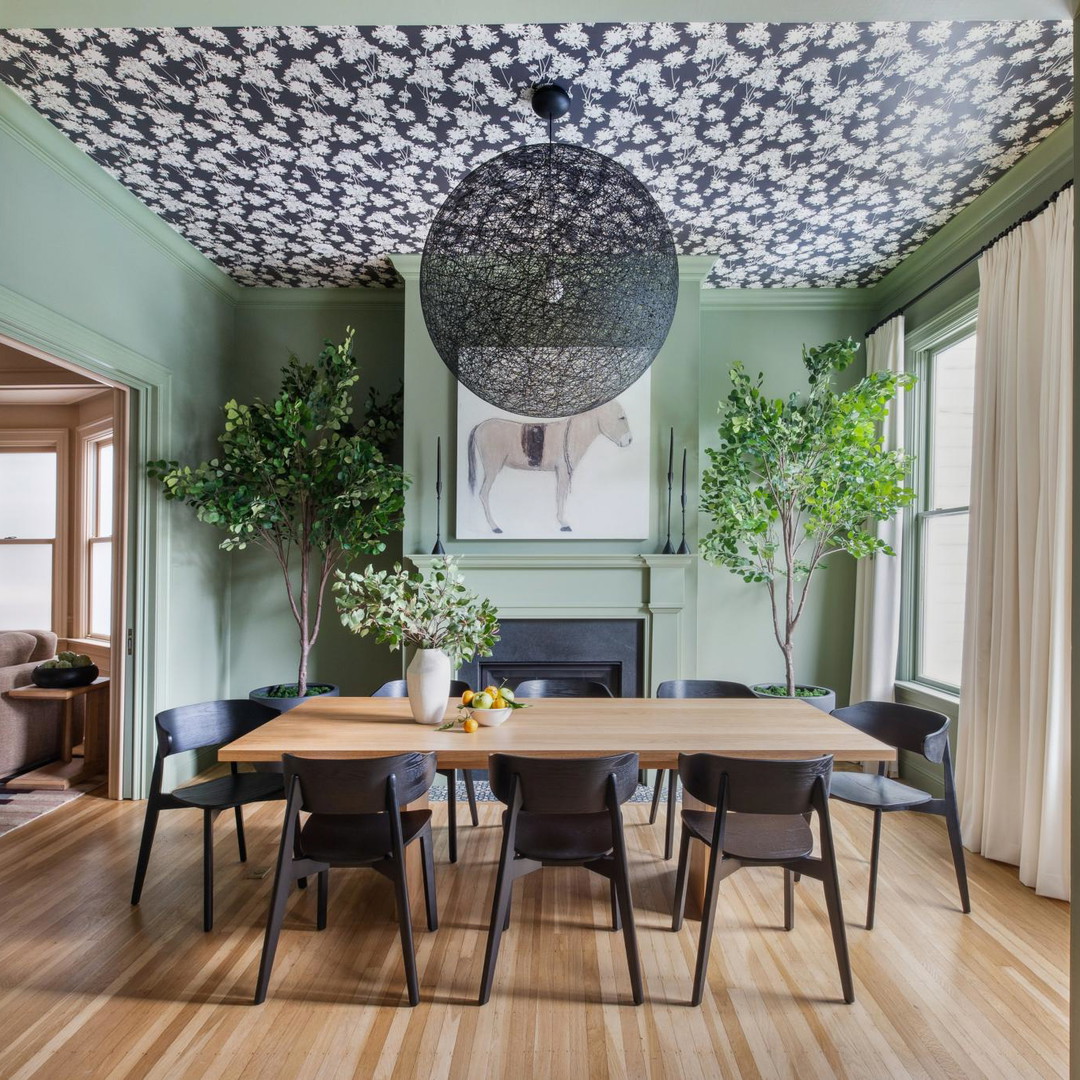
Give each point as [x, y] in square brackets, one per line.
[559, 837]
[876, 792]
[755, 836]
[356, 838]
[229, 791]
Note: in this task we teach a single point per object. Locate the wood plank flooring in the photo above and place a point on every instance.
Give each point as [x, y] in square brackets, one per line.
[91, 987]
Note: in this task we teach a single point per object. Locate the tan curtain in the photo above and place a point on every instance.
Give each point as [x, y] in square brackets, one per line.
[1013, 736]
[877, 579]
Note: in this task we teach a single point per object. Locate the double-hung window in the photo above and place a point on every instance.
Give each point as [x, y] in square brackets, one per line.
[97, 555]
[936, 555]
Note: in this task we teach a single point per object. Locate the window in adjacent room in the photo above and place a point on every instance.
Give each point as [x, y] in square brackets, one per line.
[937, 554]
[29, 504]
[97, 555]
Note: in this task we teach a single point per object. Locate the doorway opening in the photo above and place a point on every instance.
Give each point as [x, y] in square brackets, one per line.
[63, 571]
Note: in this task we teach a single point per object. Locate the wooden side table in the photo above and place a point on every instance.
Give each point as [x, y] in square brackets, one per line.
[94, 700]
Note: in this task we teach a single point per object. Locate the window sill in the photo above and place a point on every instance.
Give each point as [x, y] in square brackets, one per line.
[928, 697]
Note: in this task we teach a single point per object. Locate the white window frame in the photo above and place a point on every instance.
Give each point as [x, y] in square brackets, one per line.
[90, 437]
[25, 440]
[952, 325]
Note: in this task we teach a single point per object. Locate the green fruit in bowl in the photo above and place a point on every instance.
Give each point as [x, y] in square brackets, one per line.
[64, 664]
[51, 664]
[483, 700]
[68, 656]
[507, 695]
[81, 660]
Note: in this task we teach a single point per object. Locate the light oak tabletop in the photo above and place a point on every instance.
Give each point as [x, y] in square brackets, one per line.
[657, 729]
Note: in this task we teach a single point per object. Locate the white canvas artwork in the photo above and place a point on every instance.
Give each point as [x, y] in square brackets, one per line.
[582, 477]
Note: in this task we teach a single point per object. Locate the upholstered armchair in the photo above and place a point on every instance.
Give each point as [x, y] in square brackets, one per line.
[29, 730]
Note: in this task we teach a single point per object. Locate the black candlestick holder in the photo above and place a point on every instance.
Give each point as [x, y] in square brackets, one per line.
[438, 549]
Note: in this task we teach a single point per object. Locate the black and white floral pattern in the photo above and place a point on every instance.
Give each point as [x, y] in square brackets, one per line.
[797, 154]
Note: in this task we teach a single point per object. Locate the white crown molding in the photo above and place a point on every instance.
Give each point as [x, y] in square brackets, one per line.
[50, 145]
[131, 13]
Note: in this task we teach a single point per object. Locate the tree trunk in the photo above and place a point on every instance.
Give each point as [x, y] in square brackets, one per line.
[789, 667]
[301, 678]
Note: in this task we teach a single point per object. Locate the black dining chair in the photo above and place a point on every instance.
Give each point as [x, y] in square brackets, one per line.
[686, 688]
[761, 818]
[563, 812]
[193, 727]
[399, 688]
[919, 731]
[538, 688]
[355, 820]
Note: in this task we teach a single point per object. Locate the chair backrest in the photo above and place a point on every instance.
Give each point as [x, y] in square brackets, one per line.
[563, 785]
[534, 688]
[920, 731]
[400, 688]
[358, 785]
[210, 723]
[703, 688]
[755, 785]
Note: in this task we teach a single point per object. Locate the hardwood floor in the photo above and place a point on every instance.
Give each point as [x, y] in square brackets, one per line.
[91, 987]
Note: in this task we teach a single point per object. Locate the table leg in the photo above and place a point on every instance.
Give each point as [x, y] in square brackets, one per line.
[699, 864]
[67, 729]
[95, 726]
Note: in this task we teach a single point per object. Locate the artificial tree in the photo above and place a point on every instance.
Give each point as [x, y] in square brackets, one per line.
[794, 481]
[300, 477]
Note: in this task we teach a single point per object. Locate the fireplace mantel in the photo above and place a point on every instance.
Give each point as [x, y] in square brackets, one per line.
[659, 589]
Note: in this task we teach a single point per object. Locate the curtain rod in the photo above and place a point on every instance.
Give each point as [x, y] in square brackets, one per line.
[971, 258]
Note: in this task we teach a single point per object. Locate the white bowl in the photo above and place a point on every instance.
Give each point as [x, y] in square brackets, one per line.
[490, 717]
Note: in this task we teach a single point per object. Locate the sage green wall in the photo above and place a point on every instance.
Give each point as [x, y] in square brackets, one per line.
[75, 270]
[271, 323]
[766, 331]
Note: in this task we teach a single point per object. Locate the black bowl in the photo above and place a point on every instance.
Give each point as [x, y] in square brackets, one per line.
[60, 678]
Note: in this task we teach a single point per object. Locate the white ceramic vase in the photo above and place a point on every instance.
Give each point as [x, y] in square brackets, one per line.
[428, 679]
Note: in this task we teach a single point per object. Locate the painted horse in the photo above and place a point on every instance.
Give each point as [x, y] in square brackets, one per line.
[556, 446]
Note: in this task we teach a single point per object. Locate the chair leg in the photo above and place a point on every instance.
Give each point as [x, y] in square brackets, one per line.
[470, 791]
[274, 919]
[451, 813]
[509, 904]
[626, 906]
[323, 897]
[952, 820]
[681, 877]
[240, 843]
[875, 857]
[673, 787]
[831, 882]
[427, 858]
[149, 828]
[656, 795]
[789, 899]
[401, 892]
[616, 918]
[708, 920]
[208, 869]
[298, 854]
[500, 915]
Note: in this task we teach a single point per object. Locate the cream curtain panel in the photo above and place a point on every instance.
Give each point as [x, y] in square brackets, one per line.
[877, 579]
[1013, 734]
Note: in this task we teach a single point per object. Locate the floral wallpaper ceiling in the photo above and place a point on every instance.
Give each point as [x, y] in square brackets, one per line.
[797, 154]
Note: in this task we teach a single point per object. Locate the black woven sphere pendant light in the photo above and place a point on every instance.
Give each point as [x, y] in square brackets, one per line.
[549, 277]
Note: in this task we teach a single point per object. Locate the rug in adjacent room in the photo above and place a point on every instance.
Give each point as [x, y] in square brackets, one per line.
[21, 807]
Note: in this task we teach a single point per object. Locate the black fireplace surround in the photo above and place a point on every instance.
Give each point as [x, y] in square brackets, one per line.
[608, 651]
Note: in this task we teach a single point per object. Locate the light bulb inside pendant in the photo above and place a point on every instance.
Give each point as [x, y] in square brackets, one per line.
[552, 291]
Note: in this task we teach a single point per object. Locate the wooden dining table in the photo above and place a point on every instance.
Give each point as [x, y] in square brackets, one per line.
[658, 730]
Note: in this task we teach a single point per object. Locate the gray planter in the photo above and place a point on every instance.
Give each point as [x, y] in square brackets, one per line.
[825, 701]
[284, 704]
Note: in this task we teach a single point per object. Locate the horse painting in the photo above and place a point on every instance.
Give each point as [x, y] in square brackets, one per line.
[557, 446]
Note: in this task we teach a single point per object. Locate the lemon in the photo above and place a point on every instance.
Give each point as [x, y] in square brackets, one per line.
[470, 725]
[500, 703]
[467, 697]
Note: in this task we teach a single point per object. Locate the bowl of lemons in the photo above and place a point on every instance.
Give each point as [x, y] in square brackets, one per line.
[491, 706]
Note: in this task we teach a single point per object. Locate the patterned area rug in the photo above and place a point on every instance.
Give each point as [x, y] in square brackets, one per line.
[644, 793]
[21, 807]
